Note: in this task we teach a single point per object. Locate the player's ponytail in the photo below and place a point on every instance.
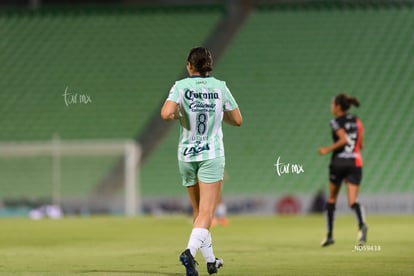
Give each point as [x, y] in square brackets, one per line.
[200, 58]
[345, 101]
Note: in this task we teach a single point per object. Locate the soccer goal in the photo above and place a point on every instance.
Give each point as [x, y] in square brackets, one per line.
[65, 173]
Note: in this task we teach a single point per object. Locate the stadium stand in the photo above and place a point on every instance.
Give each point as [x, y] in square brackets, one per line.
[123, 60]
[283, 67]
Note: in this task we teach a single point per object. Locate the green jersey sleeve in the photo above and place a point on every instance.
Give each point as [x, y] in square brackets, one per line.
[229, 103]
[174, 94]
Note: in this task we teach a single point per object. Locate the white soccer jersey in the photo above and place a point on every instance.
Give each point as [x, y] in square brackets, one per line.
[202, 101]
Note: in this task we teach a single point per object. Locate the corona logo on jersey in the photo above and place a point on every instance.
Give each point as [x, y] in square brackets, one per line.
[191, 95]
[197, 104]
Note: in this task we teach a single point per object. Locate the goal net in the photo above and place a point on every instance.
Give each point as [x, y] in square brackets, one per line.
[65, 174]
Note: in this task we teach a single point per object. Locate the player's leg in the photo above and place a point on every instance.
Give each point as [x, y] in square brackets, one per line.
[330, 212]
[352, 191]
[210, 181]
[204, 202]
[336, 176]
[188, 172]
[194, 195]
[359, 212]
[208, 194]
[200, 238]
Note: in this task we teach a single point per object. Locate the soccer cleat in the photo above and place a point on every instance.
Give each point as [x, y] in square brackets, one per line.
[362, 235]
[213, 267]
[190, 264]
[327, 241]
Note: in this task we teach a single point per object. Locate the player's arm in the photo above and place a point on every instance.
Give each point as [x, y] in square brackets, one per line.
[342, 141]
[170, 111]
[233, 117]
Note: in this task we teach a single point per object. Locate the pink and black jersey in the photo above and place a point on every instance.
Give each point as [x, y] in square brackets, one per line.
[349, 154]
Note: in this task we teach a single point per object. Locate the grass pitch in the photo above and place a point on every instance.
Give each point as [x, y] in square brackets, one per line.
[251, 246]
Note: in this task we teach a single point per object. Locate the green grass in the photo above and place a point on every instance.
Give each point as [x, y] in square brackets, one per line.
[249, 246]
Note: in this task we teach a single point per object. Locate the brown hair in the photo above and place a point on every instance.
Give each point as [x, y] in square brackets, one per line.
[345, 101]
[200, 58]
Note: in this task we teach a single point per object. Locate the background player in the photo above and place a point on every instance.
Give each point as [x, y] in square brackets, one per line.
[346, 163]
[220, 216]
[201, 103]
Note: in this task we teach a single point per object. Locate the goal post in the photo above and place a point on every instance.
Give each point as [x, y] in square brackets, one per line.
[58, 149]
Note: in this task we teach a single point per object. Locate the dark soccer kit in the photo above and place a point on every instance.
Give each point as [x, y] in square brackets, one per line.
[346, 162]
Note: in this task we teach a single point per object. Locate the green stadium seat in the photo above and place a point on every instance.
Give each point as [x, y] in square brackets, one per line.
[284, 67]
[125, 60]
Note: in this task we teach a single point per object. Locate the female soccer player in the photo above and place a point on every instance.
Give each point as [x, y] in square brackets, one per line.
[346, 163]
[201, 102]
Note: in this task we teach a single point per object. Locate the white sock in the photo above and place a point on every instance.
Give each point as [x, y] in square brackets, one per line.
[207, 250]
[197, 238]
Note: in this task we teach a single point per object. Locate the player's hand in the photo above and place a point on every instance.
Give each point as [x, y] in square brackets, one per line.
[323, 151]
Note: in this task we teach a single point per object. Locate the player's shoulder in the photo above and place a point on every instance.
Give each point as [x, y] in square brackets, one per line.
[335, 124]
[213, 78]
[349, 117]
[217, 83]
[182, 81]
[338, 122]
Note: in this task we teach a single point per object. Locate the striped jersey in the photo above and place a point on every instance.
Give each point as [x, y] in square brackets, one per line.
[202, 101]
[354, 129]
